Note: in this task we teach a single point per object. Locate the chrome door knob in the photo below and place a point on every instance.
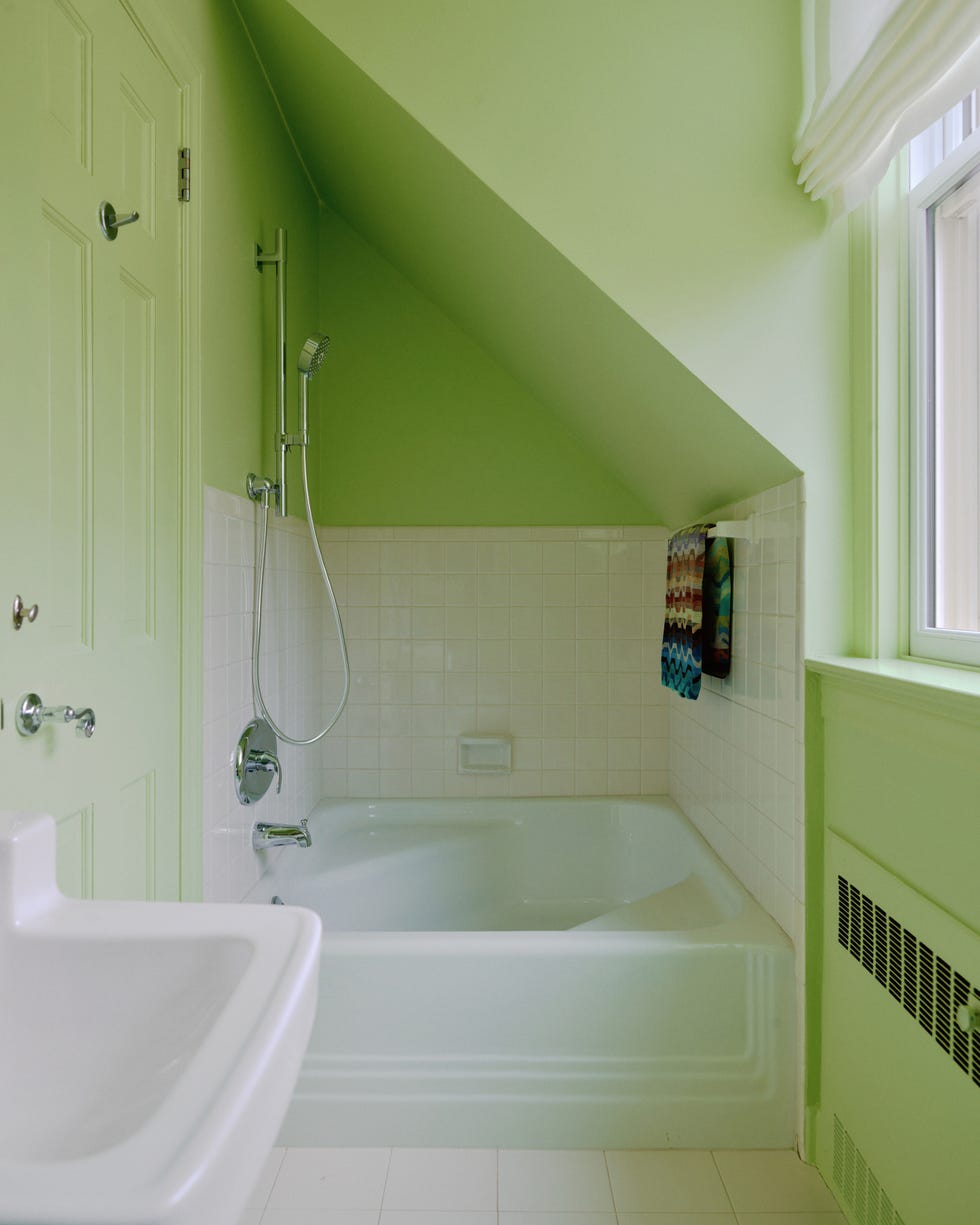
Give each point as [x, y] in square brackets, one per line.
[22, 613]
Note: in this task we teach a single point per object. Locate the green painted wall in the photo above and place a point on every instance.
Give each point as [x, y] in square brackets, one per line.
[411, 416]
[642, 411]
[893, 779]
[248, 181]
[648, 143]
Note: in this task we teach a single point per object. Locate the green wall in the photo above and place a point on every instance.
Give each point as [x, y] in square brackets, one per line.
[648, 143]
[409, 413]
[639, 409]
[248, 180]
[893, 779]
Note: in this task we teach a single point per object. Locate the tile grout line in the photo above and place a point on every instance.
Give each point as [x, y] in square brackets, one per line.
[612, 1193]
[272, 1186]
[724, 1185]
[384, 1187]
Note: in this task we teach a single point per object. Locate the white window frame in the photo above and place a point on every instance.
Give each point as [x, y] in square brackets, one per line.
[926, 641]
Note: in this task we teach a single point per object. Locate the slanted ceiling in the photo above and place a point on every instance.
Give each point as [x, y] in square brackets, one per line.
[519, 289]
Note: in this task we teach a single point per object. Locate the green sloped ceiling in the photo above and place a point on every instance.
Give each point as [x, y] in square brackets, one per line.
[558, 290]
[411, 419]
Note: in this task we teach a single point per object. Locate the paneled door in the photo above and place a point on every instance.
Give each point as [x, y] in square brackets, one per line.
[89, 422]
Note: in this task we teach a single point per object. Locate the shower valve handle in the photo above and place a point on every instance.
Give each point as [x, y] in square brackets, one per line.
[260, 761]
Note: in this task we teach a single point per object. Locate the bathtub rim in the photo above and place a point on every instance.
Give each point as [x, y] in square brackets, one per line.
[752, 927]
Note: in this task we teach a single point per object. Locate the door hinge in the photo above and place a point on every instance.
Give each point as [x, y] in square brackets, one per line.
[184, 174]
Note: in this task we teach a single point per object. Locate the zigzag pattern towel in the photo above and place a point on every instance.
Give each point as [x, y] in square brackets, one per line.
[680, 655]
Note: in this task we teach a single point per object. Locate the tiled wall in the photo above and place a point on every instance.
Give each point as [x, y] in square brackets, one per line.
[550, 635]
[736, 754]
[293, 663]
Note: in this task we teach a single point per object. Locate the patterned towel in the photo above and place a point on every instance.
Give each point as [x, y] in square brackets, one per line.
[680, 656]
[716, 628]
[697, 627]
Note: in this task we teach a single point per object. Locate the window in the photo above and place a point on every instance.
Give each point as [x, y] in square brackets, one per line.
[944, 165]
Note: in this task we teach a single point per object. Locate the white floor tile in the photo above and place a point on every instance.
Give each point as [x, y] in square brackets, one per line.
[320, 1216]
[676, 1218]
[773, 1182]
[260, 1193]
[791, 1218]
[558, 1218]
[438, 1218]
[250, 1217]
[666, 1181]
[553, 1181]
[330, 1178]
[442, 1179]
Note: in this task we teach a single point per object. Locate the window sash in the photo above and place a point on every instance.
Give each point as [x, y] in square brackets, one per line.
[945, 521]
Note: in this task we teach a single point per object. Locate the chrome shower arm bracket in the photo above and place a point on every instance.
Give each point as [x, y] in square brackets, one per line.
[261, 489]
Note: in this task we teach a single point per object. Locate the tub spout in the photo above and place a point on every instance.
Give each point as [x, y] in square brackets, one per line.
[265, 835]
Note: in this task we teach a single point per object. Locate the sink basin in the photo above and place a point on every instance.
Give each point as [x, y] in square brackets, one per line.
[148, 1050]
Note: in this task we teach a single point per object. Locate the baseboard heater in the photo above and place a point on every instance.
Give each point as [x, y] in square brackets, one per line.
[856, 1184]
[930, 990]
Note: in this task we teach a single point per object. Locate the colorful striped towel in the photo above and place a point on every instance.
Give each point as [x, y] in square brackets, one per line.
[698, 620]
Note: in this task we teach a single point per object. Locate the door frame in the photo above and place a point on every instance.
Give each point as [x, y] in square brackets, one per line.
[171, 50]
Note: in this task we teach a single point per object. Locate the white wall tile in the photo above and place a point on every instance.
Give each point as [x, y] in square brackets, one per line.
[734, 753]
[538, 633]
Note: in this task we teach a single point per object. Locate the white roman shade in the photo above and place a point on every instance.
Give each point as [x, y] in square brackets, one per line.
[883, 70]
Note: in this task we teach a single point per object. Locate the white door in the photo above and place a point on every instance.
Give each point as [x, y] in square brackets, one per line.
[89, 408]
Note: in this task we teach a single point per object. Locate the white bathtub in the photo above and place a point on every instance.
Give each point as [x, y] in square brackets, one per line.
[536, 973]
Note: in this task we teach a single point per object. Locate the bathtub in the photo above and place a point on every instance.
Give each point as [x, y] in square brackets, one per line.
[536, 973]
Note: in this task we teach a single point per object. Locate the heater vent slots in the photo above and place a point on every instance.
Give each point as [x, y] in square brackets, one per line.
[856, 1184]
[918, 978]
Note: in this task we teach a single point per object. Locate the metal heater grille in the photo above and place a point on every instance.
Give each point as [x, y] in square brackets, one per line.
[925, 984]
[857, 1185]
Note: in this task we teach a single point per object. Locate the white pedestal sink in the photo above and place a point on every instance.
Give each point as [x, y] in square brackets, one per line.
[148, 1050]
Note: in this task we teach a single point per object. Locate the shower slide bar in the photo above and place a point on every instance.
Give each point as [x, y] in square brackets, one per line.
[278, 259]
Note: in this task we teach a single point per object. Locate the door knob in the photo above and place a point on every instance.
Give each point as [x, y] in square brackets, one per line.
[22, 613]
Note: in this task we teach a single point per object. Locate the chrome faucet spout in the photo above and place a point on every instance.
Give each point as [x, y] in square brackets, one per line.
[265, 835]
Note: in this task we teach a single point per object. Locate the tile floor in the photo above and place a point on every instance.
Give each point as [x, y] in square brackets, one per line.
[416, 1186]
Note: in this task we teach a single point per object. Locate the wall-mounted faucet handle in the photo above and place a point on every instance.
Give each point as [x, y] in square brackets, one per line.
[260, 761]
[85, 723]
[254, 762]
[32, 714]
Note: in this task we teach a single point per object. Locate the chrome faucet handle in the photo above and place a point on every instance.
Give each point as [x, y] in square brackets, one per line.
[261, 761]
[254, 762]
[85, 723]
[32, 714]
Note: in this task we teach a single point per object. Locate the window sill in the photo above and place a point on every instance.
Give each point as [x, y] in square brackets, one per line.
[935, 688]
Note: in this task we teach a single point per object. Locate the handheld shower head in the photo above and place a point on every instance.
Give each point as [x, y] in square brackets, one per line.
[310, 359]
[312, 354]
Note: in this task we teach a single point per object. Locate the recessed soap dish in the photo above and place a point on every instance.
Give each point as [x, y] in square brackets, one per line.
[484, 754]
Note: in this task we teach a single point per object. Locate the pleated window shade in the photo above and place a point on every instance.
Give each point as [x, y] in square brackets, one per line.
[882, 77]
